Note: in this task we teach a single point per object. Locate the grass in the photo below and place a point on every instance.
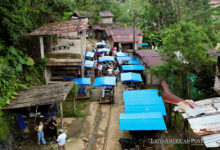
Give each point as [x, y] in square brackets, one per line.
[68, 109]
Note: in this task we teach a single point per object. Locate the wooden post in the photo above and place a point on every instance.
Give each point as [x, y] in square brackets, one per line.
[35, 114]
[61, 114]
[83, 43]
[41, 46]
[134, 41]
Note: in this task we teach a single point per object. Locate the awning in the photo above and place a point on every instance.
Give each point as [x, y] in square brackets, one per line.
[88, 64]
[133, 62]
[132, 67]
[106, 59]
[101, 50]
[126, 58]
[142, 121]
[120, 54]
[105, 81]
[83, 81]
[131, 77]
[89, 54]
[143, 44]
[100, 44]
[140, 101]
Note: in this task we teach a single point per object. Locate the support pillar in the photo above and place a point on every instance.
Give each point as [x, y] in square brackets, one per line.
[83, 49]
[61, 114]
[41, 46]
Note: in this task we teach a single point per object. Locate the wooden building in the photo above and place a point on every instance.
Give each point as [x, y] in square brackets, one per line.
[67, 46]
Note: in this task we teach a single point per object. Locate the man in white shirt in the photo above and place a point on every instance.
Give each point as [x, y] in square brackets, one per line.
[61, 140]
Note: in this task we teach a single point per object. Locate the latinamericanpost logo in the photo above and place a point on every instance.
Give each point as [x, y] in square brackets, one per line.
[191, 141]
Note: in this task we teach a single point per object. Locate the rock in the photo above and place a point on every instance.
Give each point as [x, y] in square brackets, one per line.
[85, 139]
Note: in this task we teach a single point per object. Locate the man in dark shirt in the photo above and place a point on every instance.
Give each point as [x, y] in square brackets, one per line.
[53, 130]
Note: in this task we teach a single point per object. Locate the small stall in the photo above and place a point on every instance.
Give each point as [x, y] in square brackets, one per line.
[100, 45]
[89, 55]
[88, 65]
[83, 84]
[131, 79]
[120, 54]
[133, 62]
[124, 59]
[107, 93]
[107, 61]
[135, 68]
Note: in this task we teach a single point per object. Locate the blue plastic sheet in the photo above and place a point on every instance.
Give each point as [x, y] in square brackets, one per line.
[142, 121]
[120, 54]
[101, 50]
[88, 64]
[140, 101]
[143, 44]
[83, 81]
[132, 67]
[131, 77]
[126, 58]
[89, 54]
[100, 44]
[106, 59]
[105, 81]
[133, 62]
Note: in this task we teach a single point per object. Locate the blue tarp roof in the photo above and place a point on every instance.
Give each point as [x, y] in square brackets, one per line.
[106, 58]
[132, 67]
[143, 44]
[131, 77]
[126, 58]
[100, 50]
[142, 121]
[143, 101]
[88, 64]
[105, 81]
[100, 44]
[89, 54]
[83, 81]
[134, 62]
[120, 54]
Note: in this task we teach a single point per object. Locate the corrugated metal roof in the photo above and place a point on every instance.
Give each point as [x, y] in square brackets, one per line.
[101, 50]
[88, 64]
[133, 62]
[120, 54]
[142, 121]
[61, 27]
[150, 57]
[105, 14]
[123, 31]
[106, 58]
[212, 140]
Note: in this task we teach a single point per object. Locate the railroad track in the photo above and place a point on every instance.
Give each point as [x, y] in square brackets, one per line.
[100, 133]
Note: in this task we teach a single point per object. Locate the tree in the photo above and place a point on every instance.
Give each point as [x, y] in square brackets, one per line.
[192, 43]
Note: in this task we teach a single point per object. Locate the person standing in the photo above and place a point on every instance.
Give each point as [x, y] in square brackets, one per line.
[61, 140]
[52, 130]
[40, 133]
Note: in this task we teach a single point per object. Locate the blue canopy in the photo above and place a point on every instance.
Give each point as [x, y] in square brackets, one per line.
[88, 64]
[140, 101]
[89, 54]
[145, 44]
[100, 44]
[134, 62]
[105, 81]
[83, 81]
[142, 121]
[101, 50]
[106, 58]
[120, 54]
[132, 67]
[126, 58]
[131, 77]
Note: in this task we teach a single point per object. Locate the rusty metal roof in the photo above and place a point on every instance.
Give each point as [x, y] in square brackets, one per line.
[122, 31]
[212, 140]
[61, 27]
[106, 14]
[125, 38]
[150, 57]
